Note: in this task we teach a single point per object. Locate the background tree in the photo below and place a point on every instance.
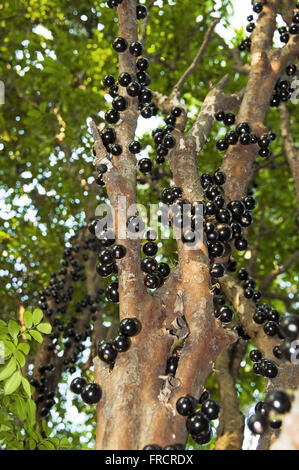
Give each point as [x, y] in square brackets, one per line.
[53, 59]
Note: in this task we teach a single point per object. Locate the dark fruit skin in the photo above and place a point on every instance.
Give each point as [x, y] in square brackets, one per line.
[130, 327]
[270, 370]
[124, 79]
[142, 64]
[259, 317]
[119, 44]
[176, 111]
[211, 409]
[164, 269]
[150, 249]
[257, 424]
[277, 352]
[149, 265]
[151, 281]
[198, 424]
[241, 244]
[108, 136]
[107, 352]
[122, 343]
[222, 145]
[220, 116]
[262, 408]
[203, 439]
[225, 314]
[133, 89]
[243, 274]
[278, 401]
[108, 81]
[217, 270]
[135, 147]
[136, 48]
[271, 328]
[255, 355]
[77, 385]
[229, 119]
[103, 270]
[112, 116]
[204, 397]
[112, 292]
[119, 251]
[120, 103]
[171, 365]
[289, 326]
[186, 406]
[145, 165]
[141, 12]
[242, 128]
[91, 393]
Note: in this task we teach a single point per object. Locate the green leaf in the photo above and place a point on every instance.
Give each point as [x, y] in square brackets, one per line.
[46, 445]
[44, 328]
[13, 383]
[37, 316]
[26, 386]
[24, 347]
[28, 319]
[8, 369]
[13, 328]
[37, 336]
[31, 411]
[20, 358]
[65, 443]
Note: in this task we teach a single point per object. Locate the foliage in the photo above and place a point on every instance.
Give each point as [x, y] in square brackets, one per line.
[53, 57]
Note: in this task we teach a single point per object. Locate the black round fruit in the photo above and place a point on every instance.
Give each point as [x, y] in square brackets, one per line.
[278, 401]
[107, 352]
[119, 44]
[186, 406]
[141, 12]
[121, 343]
[91, 393]
[130, 327]
[77, 385]
[211, 409]
[198, 424]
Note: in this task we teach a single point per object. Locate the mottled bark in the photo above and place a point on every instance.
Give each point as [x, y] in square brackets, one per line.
[230, 432]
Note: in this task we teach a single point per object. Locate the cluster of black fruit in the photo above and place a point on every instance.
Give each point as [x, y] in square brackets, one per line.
[268, 412]
[141, 10]
[45, 397]
[284, 32]
[54, 301]
[108, 350]
[245, 44]
[283, 90]
[155, 273]
[91, 393]
[134, 87]
[163, 139]
[198, 422]
[243, 135]
[263, 366]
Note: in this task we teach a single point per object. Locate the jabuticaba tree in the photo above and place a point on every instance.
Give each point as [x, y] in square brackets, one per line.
[173, 345]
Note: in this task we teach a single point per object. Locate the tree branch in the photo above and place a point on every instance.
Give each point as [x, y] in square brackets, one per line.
[230, 432]
[291, 152]
[277, 272]
[177, 88]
